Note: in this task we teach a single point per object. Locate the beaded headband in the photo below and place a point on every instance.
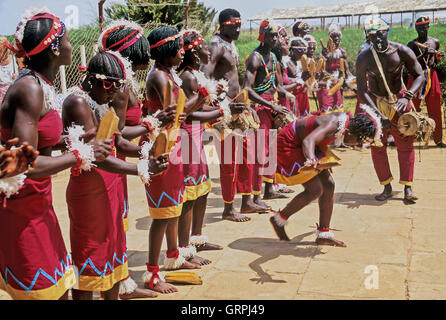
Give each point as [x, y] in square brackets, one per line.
[194, 43]
[51, 39]
[165, 40]
[233, 21]
[126, 42]
[424, 20]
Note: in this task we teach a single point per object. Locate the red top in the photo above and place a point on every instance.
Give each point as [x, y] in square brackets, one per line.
[133, 115]
[49, 130]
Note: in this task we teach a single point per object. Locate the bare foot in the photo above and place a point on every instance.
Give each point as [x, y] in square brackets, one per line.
[259, 202]
[162, 287]
[208, 246]
[189, 265]
[274, 195]
[285, 190]
[252, 207]
[330, 242]
[280, 231]
[235, 216]
[199, 260]
[139, 294]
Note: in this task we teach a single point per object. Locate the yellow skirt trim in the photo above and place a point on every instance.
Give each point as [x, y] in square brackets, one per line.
[194, 192]
[330, 160]
[383, 183]
[229, 202]
[269, 180]
[256, 193]
[51, 293]
[126, 224]
[166, 213]
[98, 283]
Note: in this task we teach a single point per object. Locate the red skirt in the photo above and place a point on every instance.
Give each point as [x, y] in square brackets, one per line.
[34, 262]
[97, 234]
[195, 169]
[165, 192]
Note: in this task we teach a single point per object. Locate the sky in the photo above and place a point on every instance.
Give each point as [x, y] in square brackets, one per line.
[87, 10]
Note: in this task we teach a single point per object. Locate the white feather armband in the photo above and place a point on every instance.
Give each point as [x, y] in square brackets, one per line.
[85, 151]
[11, 185]
[152, 123]
[144, 162]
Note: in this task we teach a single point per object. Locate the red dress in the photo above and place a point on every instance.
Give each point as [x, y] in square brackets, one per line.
[165, 192]
[132, 118]
[34, 262]
[98, 244]
[290, 157]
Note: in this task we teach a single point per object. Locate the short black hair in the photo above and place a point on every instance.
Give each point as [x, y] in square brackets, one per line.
[167, 50]
[138, 53]
[362, 127]
[106, 64]
[35, 31]
[227, 14]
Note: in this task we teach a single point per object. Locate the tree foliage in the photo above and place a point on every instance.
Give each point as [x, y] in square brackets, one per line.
[152, 13]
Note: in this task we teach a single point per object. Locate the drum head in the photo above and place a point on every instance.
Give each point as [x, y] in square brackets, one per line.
[408, 124]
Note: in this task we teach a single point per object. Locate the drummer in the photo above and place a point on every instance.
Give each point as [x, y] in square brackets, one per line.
[387, 94]
[261, 79]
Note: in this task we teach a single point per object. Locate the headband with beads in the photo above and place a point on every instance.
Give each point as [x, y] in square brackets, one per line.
[165, 40]
[194, 43]
[124, 43]
[424, 20]
[125, 65]
[51, 39]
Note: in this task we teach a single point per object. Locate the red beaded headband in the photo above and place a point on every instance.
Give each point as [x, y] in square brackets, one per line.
[194, 43]
[57, 29]
[136, 34]
[424, 21]
[164, 41]
[233, 21]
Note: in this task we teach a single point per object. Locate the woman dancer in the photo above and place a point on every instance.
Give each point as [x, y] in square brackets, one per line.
[97, 236]
[34, 262]
[303, 144]
[128, 39]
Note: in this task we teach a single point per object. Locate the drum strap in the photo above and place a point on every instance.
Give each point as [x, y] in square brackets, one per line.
[381, 71]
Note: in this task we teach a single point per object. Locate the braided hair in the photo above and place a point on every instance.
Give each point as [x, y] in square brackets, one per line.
[190, 56]
[362, 127]
[35, 31]
[138, 53]
[106, 64]
[167, 50]
[296, 30]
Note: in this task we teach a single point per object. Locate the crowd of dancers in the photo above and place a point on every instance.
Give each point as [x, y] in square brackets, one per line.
[273, 139]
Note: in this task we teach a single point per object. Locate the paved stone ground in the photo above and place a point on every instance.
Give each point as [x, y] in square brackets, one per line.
[405, 244]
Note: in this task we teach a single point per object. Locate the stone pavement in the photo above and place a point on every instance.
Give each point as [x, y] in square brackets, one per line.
[395, 251]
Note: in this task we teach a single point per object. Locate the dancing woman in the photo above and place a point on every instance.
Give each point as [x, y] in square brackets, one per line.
[303, 144]
[94, 197]
[34, 262]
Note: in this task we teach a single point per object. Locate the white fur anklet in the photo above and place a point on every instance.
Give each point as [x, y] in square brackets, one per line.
[147, 276]
[281, 222]
[187, 252]
[174, 263]
[127, 286]
[198, 240]
[324, 235]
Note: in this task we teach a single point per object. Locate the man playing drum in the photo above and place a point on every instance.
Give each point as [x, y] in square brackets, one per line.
[383, 64]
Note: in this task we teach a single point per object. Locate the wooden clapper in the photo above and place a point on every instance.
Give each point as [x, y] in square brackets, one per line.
[167, 138]
[108, 125]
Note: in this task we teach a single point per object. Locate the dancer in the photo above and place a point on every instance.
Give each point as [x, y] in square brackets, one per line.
[165, 193]
[427, 51]
[9, 68]
[262, 83]
[300, 28]
[196, 172]
[128, 39]
[336, 72]
[97, 237]
[303, 144]
[381, 67]
[223, 64]
[298, 48]
[34, 262]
